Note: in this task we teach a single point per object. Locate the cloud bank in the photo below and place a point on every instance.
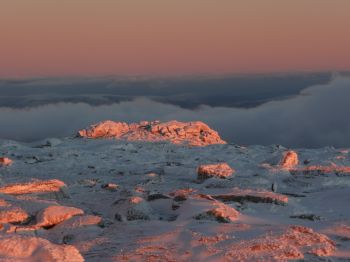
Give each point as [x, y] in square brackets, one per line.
[318, 117]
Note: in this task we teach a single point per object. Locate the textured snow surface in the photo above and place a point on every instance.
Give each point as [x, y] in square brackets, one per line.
[111, 200]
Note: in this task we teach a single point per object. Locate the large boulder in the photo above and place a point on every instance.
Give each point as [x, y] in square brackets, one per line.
[191, 133]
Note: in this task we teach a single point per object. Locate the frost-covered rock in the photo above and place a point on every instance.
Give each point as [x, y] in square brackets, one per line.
[248, 195]
[25, 248]
[54, 215]
[37, 186]
[293, 243]
[221, 170]
[191, 133]
[221, 213]
[11, 214]
[5, 161]
[289, 160]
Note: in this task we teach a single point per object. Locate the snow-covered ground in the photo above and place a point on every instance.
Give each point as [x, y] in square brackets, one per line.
[134, 209]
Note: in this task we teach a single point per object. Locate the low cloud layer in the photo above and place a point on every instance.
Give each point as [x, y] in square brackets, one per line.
[318, 117]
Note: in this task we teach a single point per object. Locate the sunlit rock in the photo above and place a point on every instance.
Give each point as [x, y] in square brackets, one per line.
[191, 133]
[4, 161]
[294, 243]
[53, 215]
[26, 248]
[289, 160]
[11, 214]
[221, 213]
[221, 170]
[37, 186]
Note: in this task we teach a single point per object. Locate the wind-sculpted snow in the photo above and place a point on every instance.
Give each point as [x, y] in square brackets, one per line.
[120, 200]
[191, 133]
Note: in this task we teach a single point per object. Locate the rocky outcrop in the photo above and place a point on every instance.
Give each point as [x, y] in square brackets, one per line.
[37, 186]
[289, 160]
[221, 170]
[191, 133]
[4, 161]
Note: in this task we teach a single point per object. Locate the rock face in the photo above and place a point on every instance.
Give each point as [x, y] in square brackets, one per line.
[221, 170]
[289, 160]
[191, 133]
[24, 248]
[4, 161]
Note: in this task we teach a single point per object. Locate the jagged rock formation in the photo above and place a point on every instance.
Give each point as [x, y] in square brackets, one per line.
[191, 133]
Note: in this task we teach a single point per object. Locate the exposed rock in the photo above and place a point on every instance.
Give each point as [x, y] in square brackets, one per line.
[38, 186]
[25, 248]
[289, 160]
[54, 215]
[222, 213]
[191, 133]
[242, 195]
[154, 196]
[133, 208]
[294, 243]
[221, 170]
[311, 217]
[110, 186]
[79, 221]
[182, 194]
[320, 170]
[4, 161]
[13, 215]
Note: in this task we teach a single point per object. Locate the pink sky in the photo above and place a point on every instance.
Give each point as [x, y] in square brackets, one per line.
[170, 37]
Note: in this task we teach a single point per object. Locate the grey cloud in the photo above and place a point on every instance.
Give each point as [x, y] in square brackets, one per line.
[318, 117]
